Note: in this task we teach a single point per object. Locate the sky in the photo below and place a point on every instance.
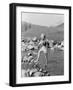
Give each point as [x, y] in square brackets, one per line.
[43, 19]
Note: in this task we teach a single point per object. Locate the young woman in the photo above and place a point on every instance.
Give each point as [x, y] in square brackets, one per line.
[43, 47]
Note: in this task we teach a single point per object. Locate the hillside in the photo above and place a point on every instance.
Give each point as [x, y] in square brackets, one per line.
[52, 33]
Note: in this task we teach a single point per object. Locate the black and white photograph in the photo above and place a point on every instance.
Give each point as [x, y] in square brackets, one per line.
[40, 44]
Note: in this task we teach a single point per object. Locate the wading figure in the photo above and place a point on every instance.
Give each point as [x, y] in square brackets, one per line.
[43, 47]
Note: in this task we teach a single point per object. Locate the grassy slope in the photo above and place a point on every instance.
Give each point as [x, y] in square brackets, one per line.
[55, 33]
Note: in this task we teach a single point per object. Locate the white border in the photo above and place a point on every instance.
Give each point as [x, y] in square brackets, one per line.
[24, 80]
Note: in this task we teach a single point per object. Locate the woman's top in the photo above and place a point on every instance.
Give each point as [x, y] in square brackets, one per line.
[43, 45]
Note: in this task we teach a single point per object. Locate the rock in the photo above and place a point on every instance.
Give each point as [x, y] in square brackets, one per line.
[24, 73]
[48, 74]
[34, 39]
[32, 71]
[37, 74]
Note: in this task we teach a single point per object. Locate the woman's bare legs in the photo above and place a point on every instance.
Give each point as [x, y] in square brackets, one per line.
[38, 57]
[46, 55]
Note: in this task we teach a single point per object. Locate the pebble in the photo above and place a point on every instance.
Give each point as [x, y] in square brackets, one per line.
[37, 74]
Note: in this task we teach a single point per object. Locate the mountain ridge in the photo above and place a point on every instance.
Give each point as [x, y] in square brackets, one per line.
[53, 32]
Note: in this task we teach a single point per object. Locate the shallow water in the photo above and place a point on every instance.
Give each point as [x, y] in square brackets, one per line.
[55, 65]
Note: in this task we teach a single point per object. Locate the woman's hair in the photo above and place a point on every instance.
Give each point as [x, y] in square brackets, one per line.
[43, 36]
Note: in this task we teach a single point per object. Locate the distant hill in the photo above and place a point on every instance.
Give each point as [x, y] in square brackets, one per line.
[52, 33]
